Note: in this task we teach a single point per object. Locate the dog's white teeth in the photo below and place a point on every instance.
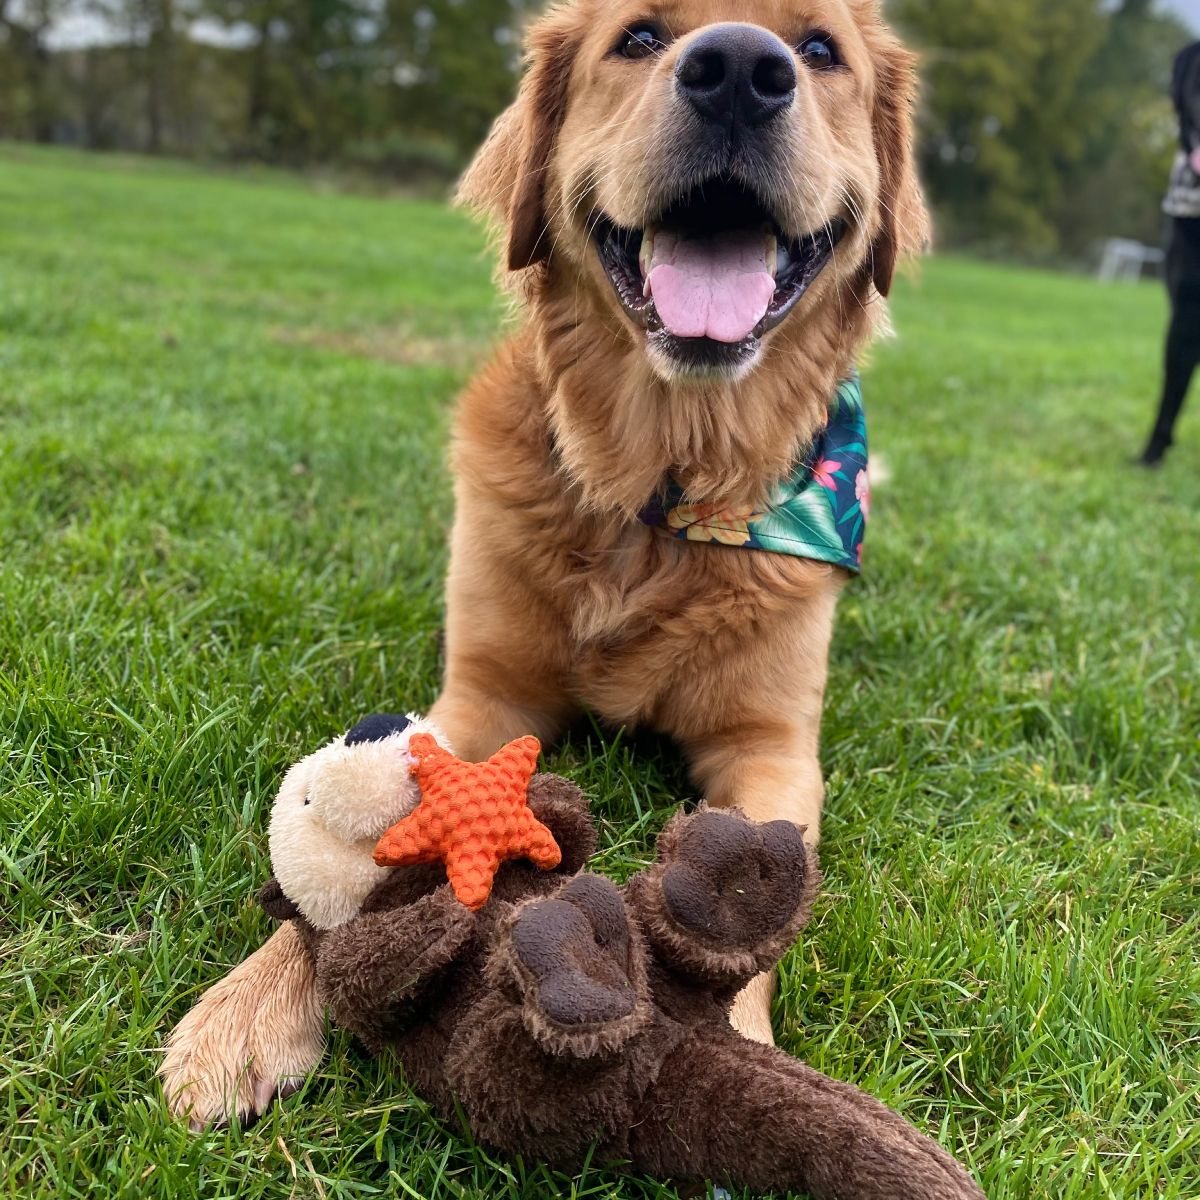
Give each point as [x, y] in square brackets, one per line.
[771, 249]
[783, 259]
[646, 254]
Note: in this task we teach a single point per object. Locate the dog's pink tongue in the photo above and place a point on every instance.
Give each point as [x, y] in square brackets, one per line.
[717, 287]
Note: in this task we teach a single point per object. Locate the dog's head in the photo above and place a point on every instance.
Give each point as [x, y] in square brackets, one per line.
[708, 171]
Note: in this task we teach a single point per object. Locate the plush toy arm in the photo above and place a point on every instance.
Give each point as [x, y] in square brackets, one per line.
[275, 904]
[751, 1116]
[727, 897]
[373, 970]
[563, 809]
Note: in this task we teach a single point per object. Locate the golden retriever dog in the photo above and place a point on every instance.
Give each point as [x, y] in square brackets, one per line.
[700, 205]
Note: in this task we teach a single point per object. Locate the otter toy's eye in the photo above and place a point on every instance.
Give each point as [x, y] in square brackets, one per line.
[307, 800]
[641, 41]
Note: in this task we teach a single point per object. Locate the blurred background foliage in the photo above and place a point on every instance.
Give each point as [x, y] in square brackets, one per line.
[1045, 126]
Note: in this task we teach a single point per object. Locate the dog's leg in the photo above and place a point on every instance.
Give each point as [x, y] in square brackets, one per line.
[478, 722]
[781, 785]
[751, 1012]
[494, 694]
[507, 656]
[760, 753]
[258, 1031]
[766, 787]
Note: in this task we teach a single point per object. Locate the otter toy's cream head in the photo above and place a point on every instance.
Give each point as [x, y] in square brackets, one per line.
[334, 806]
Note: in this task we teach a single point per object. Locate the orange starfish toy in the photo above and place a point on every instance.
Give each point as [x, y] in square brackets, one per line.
[472, 817]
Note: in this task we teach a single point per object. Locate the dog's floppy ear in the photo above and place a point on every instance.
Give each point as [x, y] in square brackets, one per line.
[507, 179]
[904, 229]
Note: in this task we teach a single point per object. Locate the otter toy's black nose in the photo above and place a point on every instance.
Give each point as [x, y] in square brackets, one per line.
[376, 728]
[737, 75]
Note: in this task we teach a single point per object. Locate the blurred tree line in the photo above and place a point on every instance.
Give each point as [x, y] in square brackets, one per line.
[400, 87]
[1044, 125]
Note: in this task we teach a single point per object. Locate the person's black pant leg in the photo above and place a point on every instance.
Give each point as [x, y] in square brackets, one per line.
[1183, 336]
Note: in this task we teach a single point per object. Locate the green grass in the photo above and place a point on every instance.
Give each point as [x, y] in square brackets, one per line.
[223, 508]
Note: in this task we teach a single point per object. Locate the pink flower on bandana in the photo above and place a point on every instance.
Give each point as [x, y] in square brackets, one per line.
[823, 473]
[862, 492]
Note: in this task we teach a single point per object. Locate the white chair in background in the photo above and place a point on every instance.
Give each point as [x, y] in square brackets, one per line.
[1124, 260]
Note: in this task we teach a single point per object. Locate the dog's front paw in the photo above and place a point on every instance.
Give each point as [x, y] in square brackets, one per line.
[734, 884]
[257, 1033]
[580, 968]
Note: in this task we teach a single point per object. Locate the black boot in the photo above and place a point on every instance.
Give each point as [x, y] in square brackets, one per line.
[1154, 454]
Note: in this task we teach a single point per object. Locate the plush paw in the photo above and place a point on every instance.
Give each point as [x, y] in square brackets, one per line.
[733, 883]
[579, 967]
[255, 1034]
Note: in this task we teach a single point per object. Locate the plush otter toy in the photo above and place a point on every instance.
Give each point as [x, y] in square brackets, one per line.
[566, 1013]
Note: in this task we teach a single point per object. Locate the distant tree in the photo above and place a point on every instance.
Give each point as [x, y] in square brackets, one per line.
[1029, 106]
[158, 17]
[308, 72]
[34, 102]
[152, 31]
[456, 62]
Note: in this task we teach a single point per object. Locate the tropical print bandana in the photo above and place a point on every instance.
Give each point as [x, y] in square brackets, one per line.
[819, 511]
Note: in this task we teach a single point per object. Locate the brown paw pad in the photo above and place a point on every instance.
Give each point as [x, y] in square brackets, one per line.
[732, 881]
[575, 947]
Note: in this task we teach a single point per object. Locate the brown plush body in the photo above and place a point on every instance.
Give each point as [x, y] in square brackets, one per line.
[568, 1013]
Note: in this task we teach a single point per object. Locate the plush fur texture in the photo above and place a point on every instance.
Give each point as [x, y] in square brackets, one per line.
[570, 1014]
[558, 599]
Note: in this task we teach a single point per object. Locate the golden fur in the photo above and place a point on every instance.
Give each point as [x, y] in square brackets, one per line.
[257, 1032]
[558, 598]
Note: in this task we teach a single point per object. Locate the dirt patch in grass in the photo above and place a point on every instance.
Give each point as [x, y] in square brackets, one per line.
[391, 344]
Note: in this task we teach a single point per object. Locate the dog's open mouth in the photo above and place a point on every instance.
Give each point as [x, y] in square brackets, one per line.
[714, 267]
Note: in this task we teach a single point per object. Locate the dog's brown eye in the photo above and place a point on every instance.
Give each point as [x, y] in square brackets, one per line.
[819, 52]
[640, 42]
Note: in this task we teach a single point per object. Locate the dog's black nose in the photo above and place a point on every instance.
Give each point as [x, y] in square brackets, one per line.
[737, 75]
[377, 727]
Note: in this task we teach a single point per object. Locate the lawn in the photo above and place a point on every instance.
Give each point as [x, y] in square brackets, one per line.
[223, 510]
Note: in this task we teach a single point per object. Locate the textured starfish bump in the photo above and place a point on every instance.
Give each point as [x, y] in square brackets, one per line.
[472, 817]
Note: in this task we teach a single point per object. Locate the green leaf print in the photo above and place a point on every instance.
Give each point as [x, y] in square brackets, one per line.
[804, 525]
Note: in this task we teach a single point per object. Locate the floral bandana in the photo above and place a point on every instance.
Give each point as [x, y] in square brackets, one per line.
[819, 511]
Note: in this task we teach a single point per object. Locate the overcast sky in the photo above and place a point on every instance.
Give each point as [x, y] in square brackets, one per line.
[1187, 8]
[82, 30]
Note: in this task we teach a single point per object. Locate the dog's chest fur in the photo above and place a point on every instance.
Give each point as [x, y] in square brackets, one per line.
[643, 610]
[651, 616]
